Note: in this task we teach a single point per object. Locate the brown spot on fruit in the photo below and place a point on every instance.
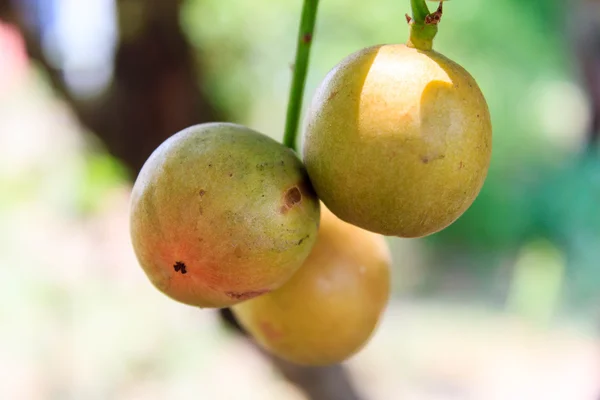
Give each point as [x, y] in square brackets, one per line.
[291, 197]
[246, 295]
[461, 165]
[202, 192]
[332, 95]
[427, 159]
[180, 267]
[270, 331]
[237, 252]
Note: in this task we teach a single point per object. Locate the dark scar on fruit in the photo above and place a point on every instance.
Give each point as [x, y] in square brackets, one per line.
[246, 295]
[179, 267]
[291, 197]
[426, 159]
[303, 239]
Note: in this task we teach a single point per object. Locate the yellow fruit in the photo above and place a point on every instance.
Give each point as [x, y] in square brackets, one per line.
[220, 214]
[329, 309]
[398, 140]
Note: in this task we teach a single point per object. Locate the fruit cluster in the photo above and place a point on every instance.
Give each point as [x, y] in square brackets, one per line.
[397, 142]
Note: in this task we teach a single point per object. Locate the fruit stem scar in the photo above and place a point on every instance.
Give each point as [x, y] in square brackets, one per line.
[303, 46]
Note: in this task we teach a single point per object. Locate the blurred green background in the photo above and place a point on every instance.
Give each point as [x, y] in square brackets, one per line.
[504, 304]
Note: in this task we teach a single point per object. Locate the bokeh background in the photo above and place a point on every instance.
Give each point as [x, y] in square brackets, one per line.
[504, 304]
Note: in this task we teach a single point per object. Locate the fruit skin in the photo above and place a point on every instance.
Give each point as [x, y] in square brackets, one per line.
[329, 309]
[221, 213]
[398, 140]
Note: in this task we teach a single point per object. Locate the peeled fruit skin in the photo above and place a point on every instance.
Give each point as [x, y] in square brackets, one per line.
[398, 140]
[221, 213]
[329, 309]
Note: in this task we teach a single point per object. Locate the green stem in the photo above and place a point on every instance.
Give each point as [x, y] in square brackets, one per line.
[305, 38]
[420, 11]
[422, 32]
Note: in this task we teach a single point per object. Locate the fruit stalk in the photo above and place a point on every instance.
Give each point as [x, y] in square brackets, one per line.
[300, 69]
[423, 25]
[420, 11]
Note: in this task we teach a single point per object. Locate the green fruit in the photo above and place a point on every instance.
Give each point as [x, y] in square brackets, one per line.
[398, 140]
[330, 308]
[220, 214]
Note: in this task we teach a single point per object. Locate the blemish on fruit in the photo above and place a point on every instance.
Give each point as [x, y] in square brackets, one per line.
[180, 267]
[332, 95]
[303, 239]
[291, 197]
[427, 159]
[230, 175]
[461, 165]
[270, 331]
[202, 192]
[237, 252]
[246, 295]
